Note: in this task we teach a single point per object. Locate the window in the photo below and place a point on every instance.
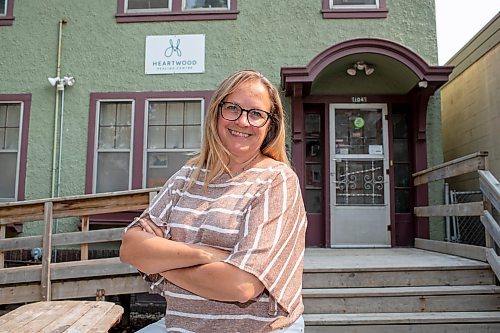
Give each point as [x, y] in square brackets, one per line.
[14, 117]
[6, 12]
[175, 10]
[139, 140]
[354, 9]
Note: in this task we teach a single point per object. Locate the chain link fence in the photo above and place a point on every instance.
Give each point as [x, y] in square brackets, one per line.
[465, 229]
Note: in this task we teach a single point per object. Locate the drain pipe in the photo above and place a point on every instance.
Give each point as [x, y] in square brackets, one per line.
[56, 111]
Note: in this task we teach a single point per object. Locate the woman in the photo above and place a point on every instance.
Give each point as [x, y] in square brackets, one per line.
[223, 241]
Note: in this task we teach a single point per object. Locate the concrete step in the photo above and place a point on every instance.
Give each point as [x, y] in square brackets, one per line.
[426, 322]
[397, 277]
[402, 299]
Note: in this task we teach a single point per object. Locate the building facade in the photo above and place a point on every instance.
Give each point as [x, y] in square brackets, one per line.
[471, 103]
[130, 80]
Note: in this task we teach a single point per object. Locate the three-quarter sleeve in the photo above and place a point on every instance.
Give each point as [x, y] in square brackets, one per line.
[272, 239]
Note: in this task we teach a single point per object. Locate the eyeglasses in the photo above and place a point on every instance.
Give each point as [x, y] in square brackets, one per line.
[232, 112]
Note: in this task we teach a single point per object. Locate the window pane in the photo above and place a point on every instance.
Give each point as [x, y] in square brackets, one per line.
[3, 114]
[175, 113]
[192, 115]
[313, 175]
[401, 175]
[106, 137]
[123, 137]
[402, 200]
[359, 182]
[312, 125]
[174, 137]
[354, 2]
[148, 4]
[157, 113]
[191, 4]
[11, 138]
[313, 150]
[124, 112]
[192, 137]
[112, 172]
[156, 137]
[162, 166]
[358, 132]
[401, 150]
[3, 7]
[400, 126]
[107, 114]
[13, 112]
[313, 201]
[8, 161]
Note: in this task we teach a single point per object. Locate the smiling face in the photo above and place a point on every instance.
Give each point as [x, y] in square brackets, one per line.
[242, 140]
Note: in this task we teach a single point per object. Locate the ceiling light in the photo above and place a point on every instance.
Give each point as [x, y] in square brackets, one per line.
[360, 66]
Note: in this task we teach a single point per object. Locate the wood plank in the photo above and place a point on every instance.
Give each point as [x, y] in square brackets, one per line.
[62, 239]
[22, 317]
[459, 166]
[462, 209]
[87, 288]
[3, 229]
[67, 270]
[49, 314]
[93, 315]
[81, 205]
[63, 290]
[110, 319]
[69, 317]
[490, 187]
[494, 261]
[456, 249]
[84, 248]
[491, 226]
[47, 252]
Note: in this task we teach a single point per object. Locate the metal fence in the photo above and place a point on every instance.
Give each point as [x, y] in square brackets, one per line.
[464, 229]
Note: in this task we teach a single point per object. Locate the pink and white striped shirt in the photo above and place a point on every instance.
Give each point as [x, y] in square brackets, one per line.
[259, 217]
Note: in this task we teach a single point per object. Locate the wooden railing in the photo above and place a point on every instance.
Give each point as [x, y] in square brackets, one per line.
[490, 188]
[75, 279]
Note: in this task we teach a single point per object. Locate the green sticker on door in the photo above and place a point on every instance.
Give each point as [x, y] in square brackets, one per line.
[359, 122]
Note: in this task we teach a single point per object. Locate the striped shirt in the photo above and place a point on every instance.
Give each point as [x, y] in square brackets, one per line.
[259, 217]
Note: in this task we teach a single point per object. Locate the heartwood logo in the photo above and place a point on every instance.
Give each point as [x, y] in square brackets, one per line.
[171, 49]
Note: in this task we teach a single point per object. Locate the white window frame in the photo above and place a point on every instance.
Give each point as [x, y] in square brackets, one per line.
[149, 10]
[184, 9]
[97, 150]
[375, 6]
[18, 151]
[145, 148]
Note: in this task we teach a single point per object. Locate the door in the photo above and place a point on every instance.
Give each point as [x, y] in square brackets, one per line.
[359, 181]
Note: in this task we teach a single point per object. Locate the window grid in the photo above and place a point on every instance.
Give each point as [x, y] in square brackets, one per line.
[354, 4]
[10, 125]
[177, 10]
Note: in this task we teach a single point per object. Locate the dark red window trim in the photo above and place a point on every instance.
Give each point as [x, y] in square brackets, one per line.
[353, 13]
[8, 18]
[177, 14]
[23, 157]
[139, 98]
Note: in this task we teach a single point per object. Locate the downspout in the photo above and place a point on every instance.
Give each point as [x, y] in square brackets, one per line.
[56, 113]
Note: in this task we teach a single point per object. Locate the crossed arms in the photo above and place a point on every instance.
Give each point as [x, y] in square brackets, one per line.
[197, 268]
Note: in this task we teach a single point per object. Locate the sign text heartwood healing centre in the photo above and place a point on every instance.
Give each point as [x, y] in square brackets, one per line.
[175, 54]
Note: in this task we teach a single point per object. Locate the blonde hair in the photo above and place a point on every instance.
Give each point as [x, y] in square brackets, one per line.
[213, 156]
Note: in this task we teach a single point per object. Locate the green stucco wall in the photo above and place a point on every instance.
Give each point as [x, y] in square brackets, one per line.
[105, 56]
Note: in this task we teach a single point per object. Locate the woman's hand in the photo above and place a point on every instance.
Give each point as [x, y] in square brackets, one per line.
[150, 227]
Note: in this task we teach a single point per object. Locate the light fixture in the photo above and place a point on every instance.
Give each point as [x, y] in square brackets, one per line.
[360, 66]
[423, 84]
[61, 83]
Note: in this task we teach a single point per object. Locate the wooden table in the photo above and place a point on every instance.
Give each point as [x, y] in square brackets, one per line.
[62, 316]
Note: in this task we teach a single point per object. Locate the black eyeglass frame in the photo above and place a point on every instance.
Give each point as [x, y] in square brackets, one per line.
[269, 114]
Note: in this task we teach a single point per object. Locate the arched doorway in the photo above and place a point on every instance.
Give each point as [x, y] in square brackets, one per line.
[359, 111]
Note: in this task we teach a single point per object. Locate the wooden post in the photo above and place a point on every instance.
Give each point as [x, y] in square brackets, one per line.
[3, 228]
[47, 252]
[84, 248]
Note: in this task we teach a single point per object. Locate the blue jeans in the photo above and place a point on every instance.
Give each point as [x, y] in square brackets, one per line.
[159, 327]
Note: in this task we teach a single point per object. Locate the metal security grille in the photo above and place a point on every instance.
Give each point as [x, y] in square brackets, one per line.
[466, 229]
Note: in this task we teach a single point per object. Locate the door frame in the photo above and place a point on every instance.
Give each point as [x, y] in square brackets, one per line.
[386, 166]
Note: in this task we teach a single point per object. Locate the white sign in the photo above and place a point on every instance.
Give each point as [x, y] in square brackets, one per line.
[375, 150]
[175, 54]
